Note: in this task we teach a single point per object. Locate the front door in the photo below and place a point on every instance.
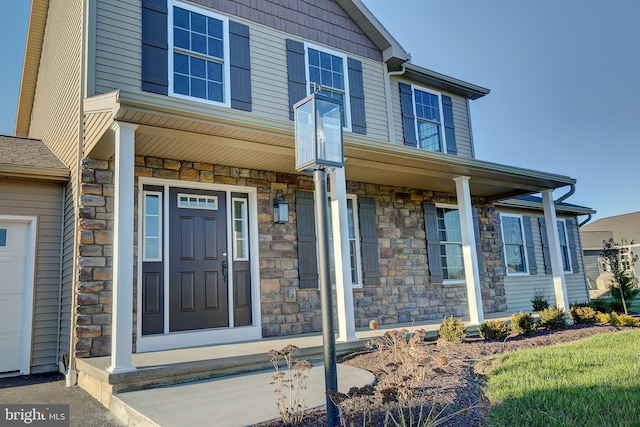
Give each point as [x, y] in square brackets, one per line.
[198, 291]
[13, 265]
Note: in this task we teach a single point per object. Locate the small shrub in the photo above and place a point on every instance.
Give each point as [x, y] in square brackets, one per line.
[624, 320]
[290, 384]
[602, 317]
[452, 330]
[523, 323]
[583, 314]
[494, 330]
[539, 300]
[553, 318]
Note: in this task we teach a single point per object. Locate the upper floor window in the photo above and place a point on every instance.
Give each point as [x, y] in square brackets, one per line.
[428, 120]
[450, 243]
[329, 70]
[564, 246]
[514, 244]
[198, 54]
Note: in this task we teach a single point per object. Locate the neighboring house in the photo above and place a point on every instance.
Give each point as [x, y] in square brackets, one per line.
[34, 330]
[175, 120]
[625, 230]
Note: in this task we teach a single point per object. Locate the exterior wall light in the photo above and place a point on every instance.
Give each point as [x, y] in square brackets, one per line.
[280, 209]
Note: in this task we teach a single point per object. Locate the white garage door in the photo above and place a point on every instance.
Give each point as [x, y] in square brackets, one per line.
[15, 295]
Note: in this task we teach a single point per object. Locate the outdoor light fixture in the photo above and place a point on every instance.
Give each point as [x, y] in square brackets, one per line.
[318, 130]
[280, 209]
[319, 146]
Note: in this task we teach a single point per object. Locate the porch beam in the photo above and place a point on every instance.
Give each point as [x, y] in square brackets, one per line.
[469, 252]
[344, 287]
[123, 197]
[557, 270]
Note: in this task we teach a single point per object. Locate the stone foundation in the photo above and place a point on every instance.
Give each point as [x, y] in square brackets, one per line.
[404, 294]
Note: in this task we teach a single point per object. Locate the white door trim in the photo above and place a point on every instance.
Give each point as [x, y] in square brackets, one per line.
[29, 285]
[206, 337]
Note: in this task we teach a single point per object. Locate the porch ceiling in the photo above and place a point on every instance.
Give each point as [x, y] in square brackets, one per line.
[270, 146]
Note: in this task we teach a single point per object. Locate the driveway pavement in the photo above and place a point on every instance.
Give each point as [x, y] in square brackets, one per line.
[46, 389]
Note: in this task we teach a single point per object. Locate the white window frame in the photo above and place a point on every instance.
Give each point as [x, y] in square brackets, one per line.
[144, 225]
[566, 237]
[345, 71]
[443, 138]
[524, 245]
[245, 228]
[226, 67]
[450, 281]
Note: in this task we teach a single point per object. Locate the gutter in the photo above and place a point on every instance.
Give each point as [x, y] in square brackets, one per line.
[566, 196]
[585, 221]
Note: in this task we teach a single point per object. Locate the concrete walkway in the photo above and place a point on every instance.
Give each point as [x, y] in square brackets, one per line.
[240, 400]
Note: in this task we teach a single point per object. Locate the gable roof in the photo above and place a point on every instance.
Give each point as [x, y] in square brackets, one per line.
[30, 158]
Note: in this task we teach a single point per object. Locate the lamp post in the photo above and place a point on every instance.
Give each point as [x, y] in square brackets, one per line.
[319, 145]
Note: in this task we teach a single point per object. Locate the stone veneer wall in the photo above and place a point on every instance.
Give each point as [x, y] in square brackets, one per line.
[404, 295]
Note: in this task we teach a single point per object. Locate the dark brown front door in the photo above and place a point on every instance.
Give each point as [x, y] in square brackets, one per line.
[198, 290]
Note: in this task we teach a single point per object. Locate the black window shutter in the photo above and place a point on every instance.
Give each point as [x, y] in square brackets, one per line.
[545, 246]
[501, 243]
[449, 128]
[307, 244]
[296, 74]
[369, 240]
[155, 47]
[573, 250]
[240, 65]
[436, 274]
[356, 97]
[476, 229]
[408, 118]
[531, 253]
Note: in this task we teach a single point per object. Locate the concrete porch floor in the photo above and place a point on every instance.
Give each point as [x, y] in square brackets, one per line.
[221, 381]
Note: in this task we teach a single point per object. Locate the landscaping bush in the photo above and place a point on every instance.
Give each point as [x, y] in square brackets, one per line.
[583, 314]
[601, 305]
[539, 300]
[494, 330]
[523, 323]
[553, 318]
[452, 330]
[624, 320]
[602, 317]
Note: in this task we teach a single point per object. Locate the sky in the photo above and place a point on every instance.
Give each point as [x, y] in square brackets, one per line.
[564, 81]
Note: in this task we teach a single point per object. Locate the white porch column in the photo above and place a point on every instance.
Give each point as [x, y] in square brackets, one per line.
[469, 252]
[342, 259]
[123, 196]
[557, 270]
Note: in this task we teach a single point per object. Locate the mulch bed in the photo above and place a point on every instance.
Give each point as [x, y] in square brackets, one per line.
[449, 379]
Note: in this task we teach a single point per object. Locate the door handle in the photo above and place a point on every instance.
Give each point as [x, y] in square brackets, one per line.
[225, 270]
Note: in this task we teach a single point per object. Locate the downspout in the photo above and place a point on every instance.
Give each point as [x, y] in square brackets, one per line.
[566, 196]
[387, 90]
[585, 221]
[61, 365]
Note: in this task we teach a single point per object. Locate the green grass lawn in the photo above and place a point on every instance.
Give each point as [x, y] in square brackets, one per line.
[591, 382]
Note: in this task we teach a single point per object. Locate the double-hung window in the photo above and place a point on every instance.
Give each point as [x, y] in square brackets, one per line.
[354, 242]
[514, 244]
[198, 54]
[328, 70]
[450, 235]
[428, 110]
[564, 245]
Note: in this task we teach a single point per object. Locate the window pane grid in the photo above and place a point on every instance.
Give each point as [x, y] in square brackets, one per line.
[450, 243]
[198, 55]
[240, 230]
[514, 248]
[152, 227]
[427, 107]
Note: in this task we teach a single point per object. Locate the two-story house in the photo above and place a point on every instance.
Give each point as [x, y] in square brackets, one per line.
[175, 121]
